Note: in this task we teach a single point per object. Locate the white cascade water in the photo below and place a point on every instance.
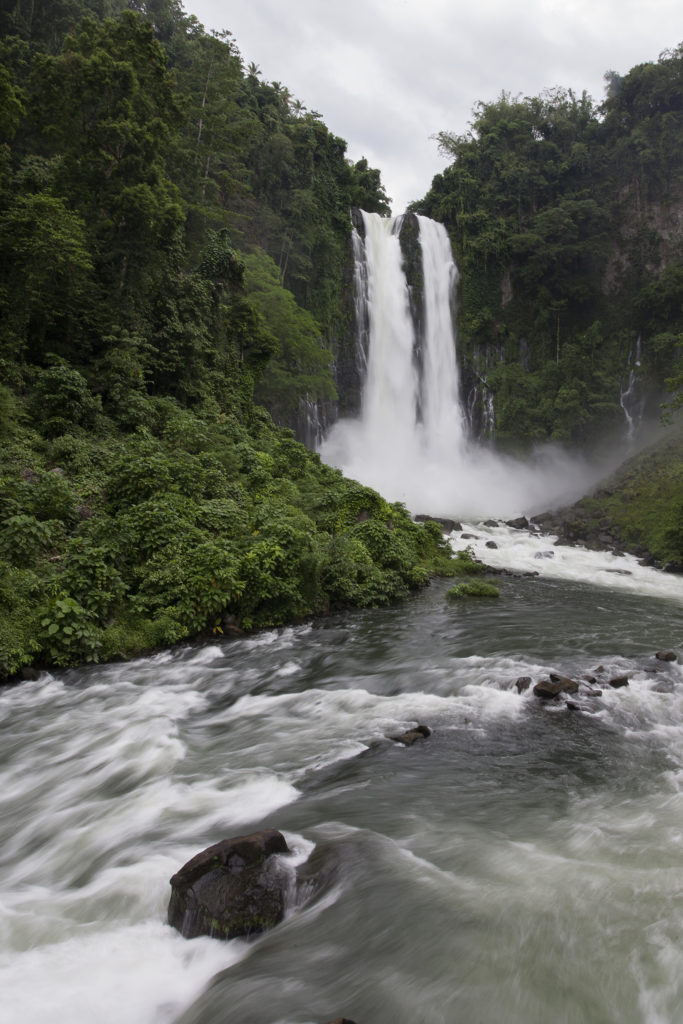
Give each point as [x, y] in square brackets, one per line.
[410, 441]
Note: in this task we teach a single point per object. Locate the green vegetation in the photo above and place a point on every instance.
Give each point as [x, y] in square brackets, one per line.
[477, 588]
[173, 239]
[114, 542]
[563, 218]
[641, 504]
[465, 564]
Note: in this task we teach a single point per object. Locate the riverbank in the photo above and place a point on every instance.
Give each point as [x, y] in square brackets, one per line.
[639, 509]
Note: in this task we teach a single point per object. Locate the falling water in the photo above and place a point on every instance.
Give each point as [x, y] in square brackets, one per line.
[410, 441]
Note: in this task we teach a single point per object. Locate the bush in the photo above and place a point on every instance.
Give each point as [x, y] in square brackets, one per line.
[68, 633]
[465, 564]
[477, 588]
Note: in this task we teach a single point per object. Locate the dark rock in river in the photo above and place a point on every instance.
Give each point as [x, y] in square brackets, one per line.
[618, 682]
[420, 732]
[232, 888]
[491, 544]
[549, 689]
[469, 536]
[666, 656]
[521, 523]
[523, 683]
[490, 522]
[568, 685]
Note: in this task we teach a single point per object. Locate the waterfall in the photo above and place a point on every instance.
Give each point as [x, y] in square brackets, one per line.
[411, 426]
[410, 441]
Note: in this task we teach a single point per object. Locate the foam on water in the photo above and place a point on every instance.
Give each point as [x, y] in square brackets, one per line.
[525, 551]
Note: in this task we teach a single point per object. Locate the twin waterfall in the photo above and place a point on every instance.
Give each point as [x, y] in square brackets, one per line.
[410, 400]
[410, 441]
[411, 432]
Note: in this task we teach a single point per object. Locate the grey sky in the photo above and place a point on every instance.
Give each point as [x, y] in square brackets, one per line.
[386, 75]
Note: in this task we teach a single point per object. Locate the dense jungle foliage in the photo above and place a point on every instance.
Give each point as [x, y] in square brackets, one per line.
[172, 237]
[567, 223]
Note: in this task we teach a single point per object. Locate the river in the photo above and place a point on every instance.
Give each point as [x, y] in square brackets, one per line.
[522, 864]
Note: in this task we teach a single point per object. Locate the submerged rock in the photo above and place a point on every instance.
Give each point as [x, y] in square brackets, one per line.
[232, 888]
[420, 732]
[666, 656]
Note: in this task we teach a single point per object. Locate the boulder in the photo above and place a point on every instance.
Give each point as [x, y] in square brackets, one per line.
[568, 685]
[469, 536]
[521, 523]
[666, 656]
[491, 544]
[420, 732]
[490, 522]
[523, 683]
[447, 525]
[232, 888]
[618, 682]
[549, 689]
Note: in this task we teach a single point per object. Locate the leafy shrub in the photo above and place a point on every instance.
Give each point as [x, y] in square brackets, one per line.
[91, 578]
[19, 590]
[165, 521]
[62, 398]
[191, 588]
[465, 564]
[24, 540]
[68, 633]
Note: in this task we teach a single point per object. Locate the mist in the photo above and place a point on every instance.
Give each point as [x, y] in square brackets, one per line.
[469, 481]
[411, 441]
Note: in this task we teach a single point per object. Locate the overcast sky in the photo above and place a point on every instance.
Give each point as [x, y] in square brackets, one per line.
[386, 75]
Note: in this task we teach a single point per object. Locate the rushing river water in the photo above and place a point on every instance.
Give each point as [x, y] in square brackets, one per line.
[521, 865]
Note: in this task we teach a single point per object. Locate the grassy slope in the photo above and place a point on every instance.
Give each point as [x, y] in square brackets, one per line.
[640, 505]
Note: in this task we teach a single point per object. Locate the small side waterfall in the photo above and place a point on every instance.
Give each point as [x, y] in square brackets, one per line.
[630, 399]
[410, 441]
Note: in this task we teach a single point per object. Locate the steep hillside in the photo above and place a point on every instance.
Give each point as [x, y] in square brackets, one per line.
[638, 509]
[567, 222]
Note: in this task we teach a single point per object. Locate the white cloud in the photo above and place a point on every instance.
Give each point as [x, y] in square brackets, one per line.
[388, 74]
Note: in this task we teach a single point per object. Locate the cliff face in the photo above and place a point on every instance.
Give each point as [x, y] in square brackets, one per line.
[567, 224]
